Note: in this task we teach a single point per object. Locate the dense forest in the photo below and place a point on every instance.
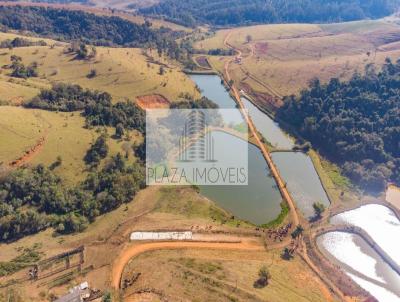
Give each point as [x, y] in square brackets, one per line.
[355, 123]
[68, 25]
[239, 12]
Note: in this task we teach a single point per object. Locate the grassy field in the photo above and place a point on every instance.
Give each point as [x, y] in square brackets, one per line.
[123, 72]
[210, 275]
[104, 239]
[64, 136]
[281, 59]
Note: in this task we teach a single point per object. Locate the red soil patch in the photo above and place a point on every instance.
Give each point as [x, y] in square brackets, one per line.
[28, 154]
[261, 48]
[152, 101]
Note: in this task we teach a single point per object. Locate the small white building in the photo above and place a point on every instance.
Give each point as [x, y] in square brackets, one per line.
[187, 235]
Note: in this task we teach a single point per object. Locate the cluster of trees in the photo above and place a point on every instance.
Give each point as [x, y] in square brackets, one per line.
[66, 97]
[238, 12]
[19, 70]
[97, 107]
[355, 123]
[97, 151]
[202, 103]
[82, 51]
[33, 199]
[20, 42]
[263, 278]
[68, 25]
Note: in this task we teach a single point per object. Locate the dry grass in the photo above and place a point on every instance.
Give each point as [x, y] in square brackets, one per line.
[153, 208]
[123, 72]
[20, 129]
[286, 56]
[211, 275]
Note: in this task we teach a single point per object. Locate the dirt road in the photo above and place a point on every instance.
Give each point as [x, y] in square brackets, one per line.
[135, 250]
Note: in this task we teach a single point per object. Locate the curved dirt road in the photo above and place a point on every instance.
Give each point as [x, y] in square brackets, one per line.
[135, 250]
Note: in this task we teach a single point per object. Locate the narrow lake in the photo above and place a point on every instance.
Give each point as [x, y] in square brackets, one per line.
[297, 169]
[259, 201]
[361, 263]
[268, 127]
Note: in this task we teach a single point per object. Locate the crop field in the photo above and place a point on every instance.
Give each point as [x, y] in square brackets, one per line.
[125, 73]
[281, 59]
[59, 134]
[210, 275]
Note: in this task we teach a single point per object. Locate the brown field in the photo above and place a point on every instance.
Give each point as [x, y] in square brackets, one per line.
[281, 59]
[212, 275]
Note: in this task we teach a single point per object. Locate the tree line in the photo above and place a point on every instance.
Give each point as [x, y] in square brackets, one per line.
[20, 42]
[355, 123]
[240, 12]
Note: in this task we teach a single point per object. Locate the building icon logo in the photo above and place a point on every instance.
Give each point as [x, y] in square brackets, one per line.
[196, 143]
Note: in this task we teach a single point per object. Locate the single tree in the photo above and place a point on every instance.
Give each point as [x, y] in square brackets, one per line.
[286, 254]
[119, 130]
[107, 298]
[297, 232]
[319, 208]
[263, 277]
[249, 38]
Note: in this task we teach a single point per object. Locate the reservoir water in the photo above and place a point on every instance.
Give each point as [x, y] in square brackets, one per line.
[259, 201]
[260, 196]
[268, 127]
[297, 169]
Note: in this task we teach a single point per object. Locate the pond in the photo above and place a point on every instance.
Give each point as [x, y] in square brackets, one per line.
[361, 263]
[212, 88]
[297, 169]
[268, 127]
[259, 201]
